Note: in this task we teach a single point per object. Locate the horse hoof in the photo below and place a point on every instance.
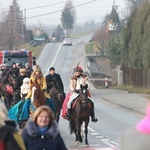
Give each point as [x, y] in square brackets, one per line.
[86, 144]
[77, 143]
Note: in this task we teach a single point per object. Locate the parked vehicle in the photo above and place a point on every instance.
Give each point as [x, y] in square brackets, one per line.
[40, 39]
[17, 56]
[67, 41]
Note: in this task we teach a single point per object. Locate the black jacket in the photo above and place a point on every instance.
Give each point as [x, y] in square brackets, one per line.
[29, 71]
[10, 139]
[56, 79]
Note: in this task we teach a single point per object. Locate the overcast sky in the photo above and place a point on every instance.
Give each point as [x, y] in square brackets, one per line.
[95, 10]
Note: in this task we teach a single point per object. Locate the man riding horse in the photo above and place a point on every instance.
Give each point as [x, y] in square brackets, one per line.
[10, 88]
[52, 78]
[76, 80]
[55, 89]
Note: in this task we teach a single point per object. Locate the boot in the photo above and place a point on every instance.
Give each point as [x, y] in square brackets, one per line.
[68, 115]
[94, 119]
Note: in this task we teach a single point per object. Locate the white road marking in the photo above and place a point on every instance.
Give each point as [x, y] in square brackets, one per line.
[42, 52]
[54, 60]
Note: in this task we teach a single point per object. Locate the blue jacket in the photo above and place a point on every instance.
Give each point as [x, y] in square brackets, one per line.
[49, 140]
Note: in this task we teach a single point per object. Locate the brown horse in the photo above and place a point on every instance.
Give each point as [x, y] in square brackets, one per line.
[37, 99]
[57, 96]
[80, 113]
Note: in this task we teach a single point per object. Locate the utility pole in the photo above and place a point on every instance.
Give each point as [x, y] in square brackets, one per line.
[114, 3]
[14, 25]
[25, 18]
[22, 27]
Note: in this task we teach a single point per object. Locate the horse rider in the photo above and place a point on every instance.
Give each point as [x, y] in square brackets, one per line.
[22, 74]
[29, 69]
[76, 80]
[25, 88]
[4, 69]
[54, 78]
[37, 76]
[18, 65]
[14, 70]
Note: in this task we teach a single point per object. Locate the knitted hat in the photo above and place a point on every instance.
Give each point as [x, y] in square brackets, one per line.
[27, 65]
[22, 70]
[26, 80]
[36, 68]
[144, 125]
[52, 68]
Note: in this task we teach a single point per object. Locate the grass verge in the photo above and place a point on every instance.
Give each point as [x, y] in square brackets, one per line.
[132, 89]
[91, 48]
[35, 50]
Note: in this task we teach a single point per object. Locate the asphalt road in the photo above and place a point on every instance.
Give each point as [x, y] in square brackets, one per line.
[112, 119]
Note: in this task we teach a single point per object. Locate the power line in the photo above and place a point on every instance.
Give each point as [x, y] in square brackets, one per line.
[61, 10]
[45, 5]
[37, 7]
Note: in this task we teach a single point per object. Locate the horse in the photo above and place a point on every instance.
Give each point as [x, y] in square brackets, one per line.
[37, 99]
[24, 109]
[57, 96]
[10, 89]
[80, 113]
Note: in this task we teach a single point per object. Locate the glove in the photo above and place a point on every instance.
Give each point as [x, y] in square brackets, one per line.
[76, 91]
[44, 90]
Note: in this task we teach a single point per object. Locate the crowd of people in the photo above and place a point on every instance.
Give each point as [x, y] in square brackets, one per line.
[41, 130]
[42, 125]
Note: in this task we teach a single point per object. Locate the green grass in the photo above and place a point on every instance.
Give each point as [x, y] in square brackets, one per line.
[35, 50]
[132, 89]
[79, 35]
[91, 48]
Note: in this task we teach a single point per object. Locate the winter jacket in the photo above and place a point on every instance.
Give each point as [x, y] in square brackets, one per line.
[40, 80]
[49, 140]
[29, 71]
[54, 78]
[10, 139]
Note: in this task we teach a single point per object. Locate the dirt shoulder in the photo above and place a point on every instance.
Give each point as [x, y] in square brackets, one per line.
[103, 65]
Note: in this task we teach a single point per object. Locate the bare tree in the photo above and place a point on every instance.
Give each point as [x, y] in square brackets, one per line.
[11, 27]
[101, 37]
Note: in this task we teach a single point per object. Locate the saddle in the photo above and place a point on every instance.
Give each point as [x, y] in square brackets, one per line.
[75, 101]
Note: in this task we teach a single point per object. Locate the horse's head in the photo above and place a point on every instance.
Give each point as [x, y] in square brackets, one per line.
[14, 80]
[37, 98]
[56, 93]
[84, 95]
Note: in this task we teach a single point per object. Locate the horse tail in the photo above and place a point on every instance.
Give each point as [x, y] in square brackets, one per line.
[71, 125]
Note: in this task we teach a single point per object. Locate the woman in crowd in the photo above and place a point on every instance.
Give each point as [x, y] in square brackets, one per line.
[41, 132]
[10, 138]
[37, 76]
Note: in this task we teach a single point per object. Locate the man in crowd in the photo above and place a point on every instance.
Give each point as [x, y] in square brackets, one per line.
[54, 78]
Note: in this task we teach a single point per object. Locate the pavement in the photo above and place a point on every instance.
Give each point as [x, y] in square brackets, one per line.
[131, 101]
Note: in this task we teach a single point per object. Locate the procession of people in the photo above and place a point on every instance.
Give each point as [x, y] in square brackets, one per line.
[28, 77]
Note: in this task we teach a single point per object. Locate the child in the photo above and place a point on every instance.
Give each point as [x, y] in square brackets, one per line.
[25, 88]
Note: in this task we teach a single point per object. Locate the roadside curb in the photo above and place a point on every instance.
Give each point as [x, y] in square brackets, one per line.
[123, 106]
